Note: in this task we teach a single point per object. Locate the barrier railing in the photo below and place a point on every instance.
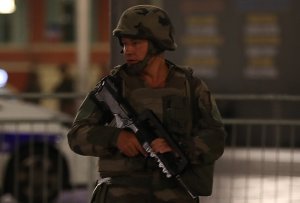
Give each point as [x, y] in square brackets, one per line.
[260, 164]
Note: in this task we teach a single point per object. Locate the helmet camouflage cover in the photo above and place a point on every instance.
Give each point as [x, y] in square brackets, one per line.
[149, 22]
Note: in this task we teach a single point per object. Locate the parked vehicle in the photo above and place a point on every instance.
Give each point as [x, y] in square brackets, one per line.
[35, 156]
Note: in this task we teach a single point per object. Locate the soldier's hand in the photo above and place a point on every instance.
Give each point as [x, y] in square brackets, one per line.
[159, 145]
[128, 144]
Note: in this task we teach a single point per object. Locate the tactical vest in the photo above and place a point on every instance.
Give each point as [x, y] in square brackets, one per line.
[172, 104]
[175, 106]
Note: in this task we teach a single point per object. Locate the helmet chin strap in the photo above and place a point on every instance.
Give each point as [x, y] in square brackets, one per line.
[137, 68]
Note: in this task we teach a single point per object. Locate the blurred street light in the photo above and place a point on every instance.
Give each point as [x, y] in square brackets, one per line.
[7, 6]
[3, 77]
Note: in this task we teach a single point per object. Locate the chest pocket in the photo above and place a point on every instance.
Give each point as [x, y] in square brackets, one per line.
[176, 114]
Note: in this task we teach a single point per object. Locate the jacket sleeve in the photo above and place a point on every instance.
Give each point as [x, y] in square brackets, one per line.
[90, 133]
[208, 138]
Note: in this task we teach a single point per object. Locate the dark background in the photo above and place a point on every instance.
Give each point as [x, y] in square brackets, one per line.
[278, 23]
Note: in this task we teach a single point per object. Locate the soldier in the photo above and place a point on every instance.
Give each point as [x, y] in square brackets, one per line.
[182, 102]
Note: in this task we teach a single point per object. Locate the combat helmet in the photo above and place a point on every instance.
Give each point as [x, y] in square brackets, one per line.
[149, 22]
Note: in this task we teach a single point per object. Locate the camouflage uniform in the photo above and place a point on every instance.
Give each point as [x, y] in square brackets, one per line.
[189, 113]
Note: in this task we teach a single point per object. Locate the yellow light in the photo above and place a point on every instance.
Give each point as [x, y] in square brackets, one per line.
[7, 6]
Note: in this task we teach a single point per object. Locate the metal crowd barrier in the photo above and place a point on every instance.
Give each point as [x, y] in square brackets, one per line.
[260, 163]
[261, 160]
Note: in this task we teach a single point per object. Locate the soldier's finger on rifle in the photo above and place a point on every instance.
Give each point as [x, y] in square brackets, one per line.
[159, 145]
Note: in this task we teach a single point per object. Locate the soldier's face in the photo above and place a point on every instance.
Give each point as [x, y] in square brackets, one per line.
[134, 50]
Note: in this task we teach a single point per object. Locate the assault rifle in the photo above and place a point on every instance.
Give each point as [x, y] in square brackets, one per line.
[146, 126]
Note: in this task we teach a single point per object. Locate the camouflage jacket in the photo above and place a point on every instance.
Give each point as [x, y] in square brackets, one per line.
[185, 106]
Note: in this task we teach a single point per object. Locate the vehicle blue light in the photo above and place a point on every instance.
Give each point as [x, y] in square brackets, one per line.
[9, 141]
[3, 77]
